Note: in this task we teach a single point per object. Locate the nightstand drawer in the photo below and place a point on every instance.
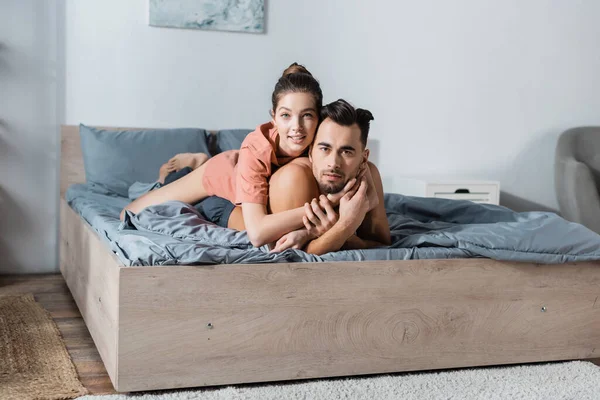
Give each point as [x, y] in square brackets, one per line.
[475, 197]
[476, 191]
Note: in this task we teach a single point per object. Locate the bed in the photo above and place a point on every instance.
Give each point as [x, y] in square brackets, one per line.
[175, 326]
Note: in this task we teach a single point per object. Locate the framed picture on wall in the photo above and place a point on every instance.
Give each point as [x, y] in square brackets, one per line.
[221, 15]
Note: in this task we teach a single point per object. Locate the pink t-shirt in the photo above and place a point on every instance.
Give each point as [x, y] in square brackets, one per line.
[242, 176]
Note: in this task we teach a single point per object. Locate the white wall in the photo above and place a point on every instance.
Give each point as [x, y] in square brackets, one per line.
[468, 88]
[476, 89]
[31, 108]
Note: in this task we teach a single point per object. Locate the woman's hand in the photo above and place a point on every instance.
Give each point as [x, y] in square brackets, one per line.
[319, 216]
[293, 240]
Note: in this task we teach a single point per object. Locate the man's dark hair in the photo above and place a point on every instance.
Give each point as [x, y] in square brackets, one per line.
[343, 113]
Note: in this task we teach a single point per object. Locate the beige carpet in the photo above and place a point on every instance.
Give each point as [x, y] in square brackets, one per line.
[577, 380]
[34, 363]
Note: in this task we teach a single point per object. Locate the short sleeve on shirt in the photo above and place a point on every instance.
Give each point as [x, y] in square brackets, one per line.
[253, 173]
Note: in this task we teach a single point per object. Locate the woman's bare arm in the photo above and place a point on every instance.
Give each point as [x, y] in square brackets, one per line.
[265, 228]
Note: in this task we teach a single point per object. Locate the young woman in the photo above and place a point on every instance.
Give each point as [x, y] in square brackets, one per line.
[242, 176]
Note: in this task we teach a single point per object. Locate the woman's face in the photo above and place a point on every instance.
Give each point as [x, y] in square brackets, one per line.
[296, 119]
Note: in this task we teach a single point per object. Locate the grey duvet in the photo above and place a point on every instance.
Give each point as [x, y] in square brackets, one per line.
[421, 228]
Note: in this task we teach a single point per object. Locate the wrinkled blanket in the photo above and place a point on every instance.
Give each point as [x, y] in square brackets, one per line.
[175, 233]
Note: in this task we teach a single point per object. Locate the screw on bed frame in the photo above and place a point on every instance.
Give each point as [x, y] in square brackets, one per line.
[544, 309]
[209, 325]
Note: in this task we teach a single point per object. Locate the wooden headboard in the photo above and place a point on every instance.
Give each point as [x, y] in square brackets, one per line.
[71, 159]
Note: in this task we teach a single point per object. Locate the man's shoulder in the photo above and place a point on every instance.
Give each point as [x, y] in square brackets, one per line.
[375, 173]
[373, 167]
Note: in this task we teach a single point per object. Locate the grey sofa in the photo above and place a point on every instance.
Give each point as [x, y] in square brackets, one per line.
[577, 176]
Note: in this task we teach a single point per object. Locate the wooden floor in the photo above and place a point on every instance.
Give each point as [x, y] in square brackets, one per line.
[53, 294]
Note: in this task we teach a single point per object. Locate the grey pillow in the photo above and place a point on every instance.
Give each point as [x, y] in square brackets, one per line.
[230, 139]
[115, 160]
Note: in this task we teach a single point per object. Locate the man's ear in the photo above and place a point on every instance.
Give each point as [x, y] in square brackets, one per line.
[366, 153]
[310, 153]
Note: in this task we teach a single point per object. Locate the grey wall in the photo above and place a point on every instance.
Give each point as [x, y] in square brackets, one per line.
[31, 108]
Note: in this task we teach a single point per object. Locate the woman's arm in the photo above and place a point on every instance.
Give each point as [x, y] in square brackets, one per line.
[289, 188]
[265, 228]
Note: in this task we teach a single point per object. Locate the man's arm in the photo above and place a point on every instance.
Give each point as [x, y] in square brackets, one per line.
[297, 178]
[352, 211]
[374, 231]
[332, 240]
[356, 243]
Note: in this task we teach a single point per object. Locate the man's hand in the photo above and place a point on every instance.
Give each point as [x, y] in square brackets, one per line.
[358, 226]
[319, 216]
[334, 198]
[352, 186]
[293, 240]
[354, 206]
[352, 211]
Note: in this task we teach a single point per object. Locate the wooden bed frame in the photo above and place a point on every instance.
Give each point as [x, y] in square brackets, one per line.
[183, 326]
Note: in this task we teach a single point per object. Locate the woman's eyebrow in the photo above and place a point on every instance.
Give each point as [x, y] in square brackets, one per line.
[287, 109]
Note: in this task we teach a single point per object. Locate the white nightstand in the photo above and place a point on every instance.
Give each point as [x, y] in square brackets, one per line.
[473, 190]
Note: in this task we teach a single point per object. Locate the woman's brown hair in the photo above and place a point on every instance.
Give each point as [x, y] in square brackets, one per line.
[297, 79]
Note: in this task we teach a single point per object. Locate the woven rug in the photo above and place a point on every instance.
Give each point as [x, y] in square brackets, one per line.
[576, 380]
[34, 363]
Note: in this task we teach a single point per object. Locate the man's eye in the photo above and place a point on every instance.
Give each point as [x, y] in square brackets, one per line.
[323, 148]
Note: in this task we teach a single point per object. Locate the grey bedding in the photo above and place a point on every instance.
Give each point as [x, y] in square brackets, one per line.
[422, 228]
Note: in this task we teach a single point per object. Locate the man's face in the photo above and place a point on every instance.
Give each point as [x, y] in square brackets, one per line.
[336, 155]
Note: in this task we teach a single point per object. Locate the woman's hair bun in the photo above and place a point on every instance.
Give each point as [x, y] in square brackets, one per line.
[295, 68]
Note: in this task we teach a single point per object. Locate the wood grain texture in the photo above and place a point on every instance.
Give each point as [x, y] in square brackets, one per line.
[274, 322]
[73, 330]
[91, 272]
[71, 160]
[292, 321]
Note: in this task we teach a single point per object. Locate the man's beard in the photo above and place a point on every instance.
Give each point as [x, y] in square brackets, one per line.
[332, 188]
